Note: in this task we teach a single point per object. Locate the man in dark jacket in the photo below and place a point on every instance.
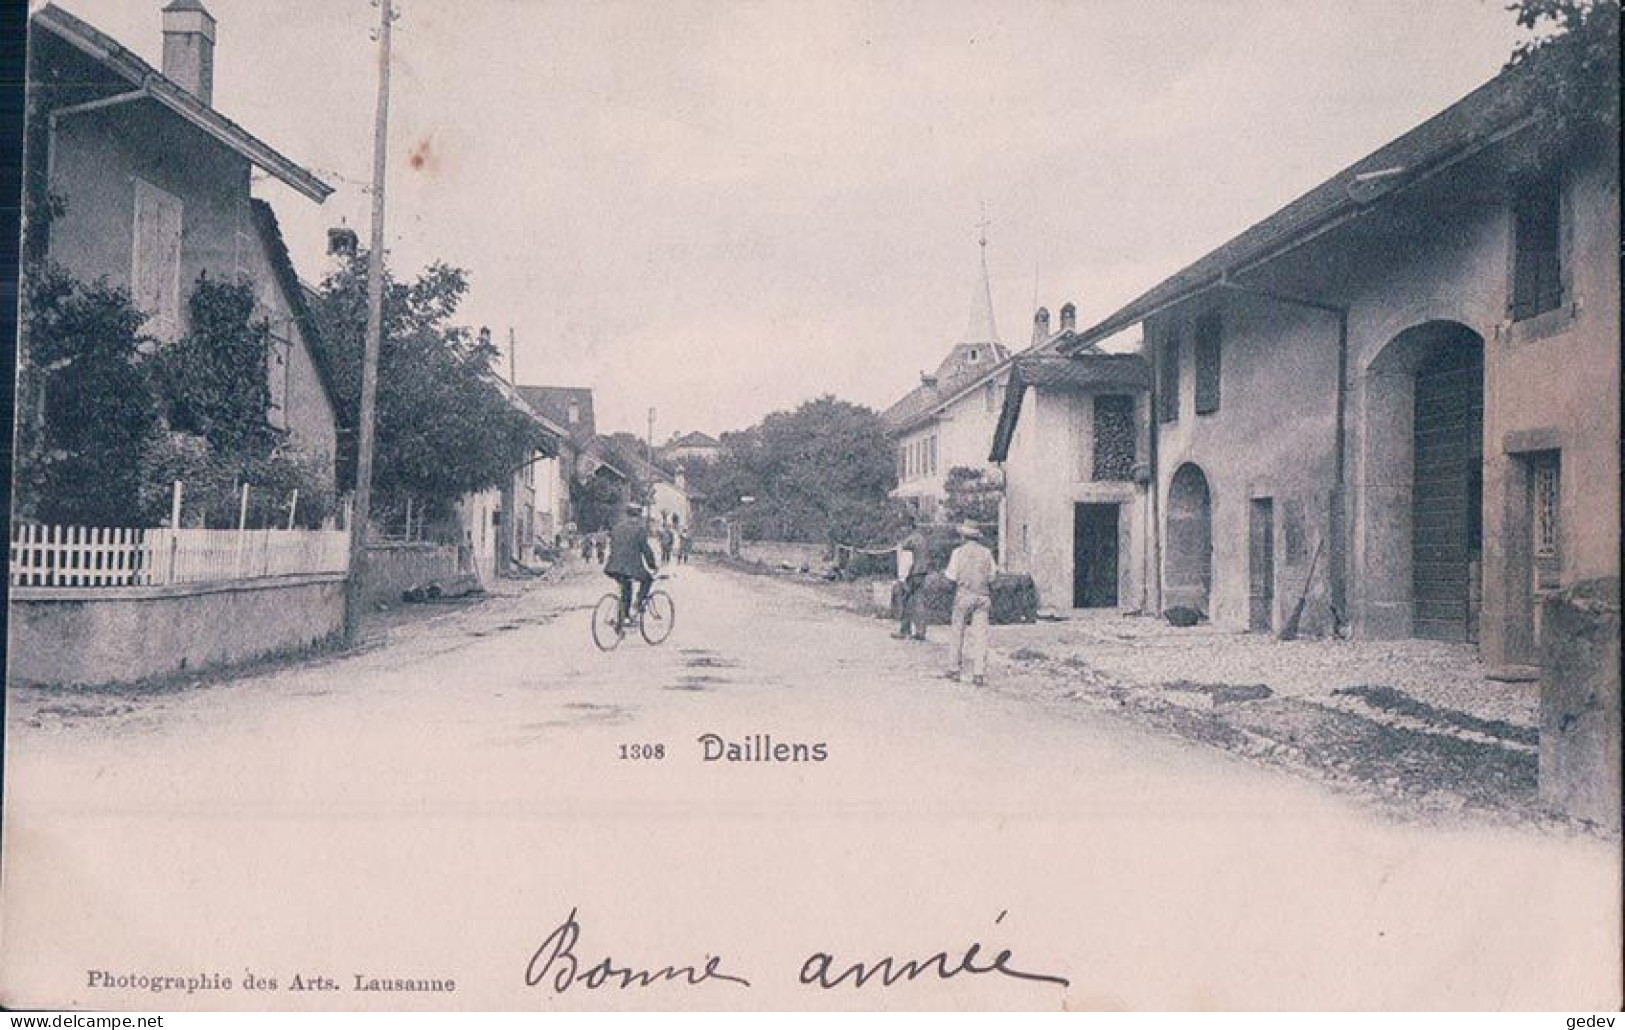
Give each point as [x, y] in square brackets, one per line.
[913, 564]
[630, 558]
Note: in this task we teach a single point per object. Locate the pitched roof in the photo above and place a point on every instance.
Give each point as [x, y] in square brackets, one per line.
[695, 439]
[276, 251]
[1479, 119]
[596, 450]
[1092, 370]
[553, 402]
[108, 52]
[922, 403]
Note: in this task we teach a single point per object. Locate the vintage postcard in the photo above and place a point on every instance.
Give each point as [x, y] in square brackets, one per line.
[864, 504]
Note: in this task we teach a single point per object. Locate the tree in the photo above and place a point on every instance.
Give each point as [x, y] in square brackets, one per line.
[819, 473]
[444, 427]
[1572, 55]
[87, 412]
[971, 497]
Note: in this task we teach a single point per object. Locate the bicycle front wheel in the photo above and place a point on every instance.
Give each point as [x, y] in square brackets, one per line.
[606, 619]
[659, 616]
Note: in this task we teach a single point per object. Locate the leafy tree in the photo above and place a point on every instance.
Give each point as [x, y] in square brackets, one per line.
[819, 473]
[971, 497]
[444, 427]
[206, 379]
[596, 502]
[1572, 53]
[87, 413]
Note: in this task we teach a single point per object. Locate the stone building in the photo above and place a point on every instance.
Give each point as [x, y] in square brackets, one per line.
[1398, 393]
[154, 187]
[1072, 442]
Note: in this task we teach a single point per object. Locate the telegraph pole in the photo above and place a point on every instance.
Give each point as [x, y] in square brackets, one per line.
[353, 593]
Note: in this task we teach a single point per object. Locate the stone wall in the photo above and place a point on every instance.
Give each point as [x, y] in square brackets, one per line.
[394, 568]
[1579, 702]
[769, 552]
[90, 636]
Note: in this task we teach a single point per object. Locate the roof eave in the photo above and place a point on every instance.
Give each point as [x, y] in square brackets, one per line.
[93, 42]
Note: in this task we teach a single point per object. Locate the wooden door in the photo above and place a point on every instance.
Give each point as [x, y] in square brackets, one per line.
[1261, 565]
[1447, 492]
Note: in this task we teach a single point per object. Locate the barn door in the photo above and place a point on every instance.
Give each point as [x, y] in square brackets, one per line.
[1447, 493]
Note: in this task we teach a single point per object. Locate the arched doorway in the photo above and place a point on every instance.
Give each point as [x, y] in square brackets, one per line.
[1189, 565]
[1423, 488]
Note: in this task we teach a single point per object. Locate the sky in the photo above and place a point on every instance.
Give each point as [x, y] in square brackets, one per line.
[721, 209]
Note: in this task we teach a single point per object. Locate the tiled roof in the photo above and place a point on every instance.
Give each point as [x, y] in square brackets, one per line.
[919, 405]
[553, 402]
[695, 439]
[1476, 120]
[1091, 370]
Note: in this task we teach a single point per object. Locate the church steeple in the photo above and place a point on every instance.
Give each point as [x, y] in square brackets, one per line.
[981, 328]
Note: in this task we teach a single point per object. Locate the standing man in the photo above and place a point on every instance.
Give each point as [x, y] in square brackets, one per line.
[667, 538]
[913, 562]
[971, 568]
[630, 559]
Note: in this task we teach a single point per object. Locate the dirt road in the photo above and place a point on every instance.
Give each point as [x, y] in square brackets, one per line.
[433, 809]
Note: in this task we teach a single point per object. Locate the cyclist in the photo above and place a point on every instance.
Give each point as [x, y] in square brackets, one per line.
[630, 559]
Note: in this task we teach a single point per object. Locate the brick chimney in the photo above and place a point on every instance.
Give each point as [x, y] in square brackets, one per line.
[1041, 325]
[189, 48]
[1069, 317]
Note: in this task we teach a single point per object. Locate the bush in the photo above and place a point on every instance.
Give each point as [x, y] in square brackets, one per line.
[86, 413]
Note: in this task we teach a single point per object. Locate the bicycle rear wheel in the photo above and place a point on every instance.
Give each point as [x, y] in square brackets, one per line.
[659, 616]
[606, 630]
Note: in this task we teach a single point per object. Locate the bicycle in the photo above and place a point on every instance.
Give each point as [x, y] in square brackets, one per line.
[655, 618]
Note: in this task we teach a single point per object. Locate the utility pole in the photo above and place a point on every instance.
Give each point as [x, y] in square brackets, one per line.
[354, 597]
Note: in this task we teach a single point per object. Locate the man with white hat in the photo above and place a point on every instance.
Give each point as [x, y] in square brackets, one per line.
[971, 568]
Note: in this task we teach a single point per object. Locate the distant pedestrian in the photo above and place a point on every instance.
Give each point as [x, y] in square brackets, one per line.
[598, 547]
[684, 542]
[667, 539]
[913, 564]
[971, 568]
[586, 547]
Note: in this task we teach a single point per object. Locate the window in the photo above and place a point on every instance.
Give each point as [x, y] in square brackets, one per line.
[1537, 273]
[931, 455]
[155, 260]
[990, 394]
[575, 413]
[1114, 438]
[1548, 505]
[1208, 332]
[1168, 381]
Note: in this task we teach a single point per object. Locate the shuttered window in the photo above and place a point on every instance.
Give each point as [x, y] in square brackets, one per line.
[155, 261]
[1208, 333]
[1168, 381]
[1537, 270]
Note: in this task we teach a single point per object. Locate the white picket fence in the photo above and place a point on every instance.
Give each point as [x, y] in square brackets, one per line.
[101, 556]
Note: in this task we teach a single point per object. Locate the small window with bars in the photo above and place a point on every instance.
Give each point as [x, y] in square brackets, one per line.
[1114, 438]
[1208, 333]
[1547, 509]
[1537, 269]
